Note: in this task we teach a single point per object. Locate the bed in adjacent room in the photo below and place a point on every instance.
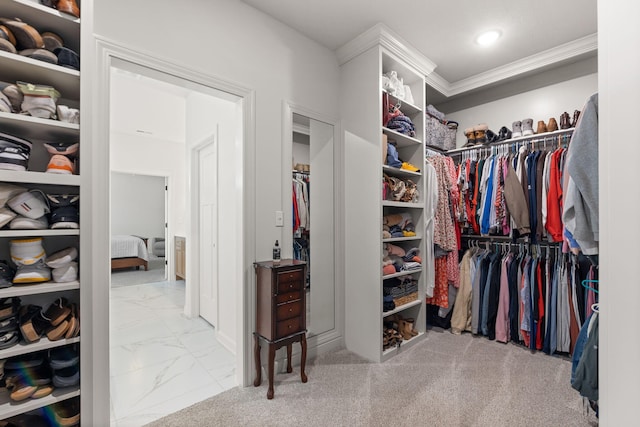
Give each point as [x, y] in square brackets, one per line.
[129, 251]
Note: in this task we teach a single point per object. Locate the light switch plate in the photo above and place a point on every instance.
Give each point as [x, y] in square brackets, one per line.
[279, 219]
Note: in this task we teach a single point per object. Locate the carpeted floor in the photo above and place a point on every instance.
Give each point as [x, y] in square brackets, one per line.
[446, 380]
[131, 276]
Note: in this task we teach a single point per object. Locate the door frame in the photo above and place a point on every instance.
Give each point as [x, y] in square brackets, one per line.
[95, 239]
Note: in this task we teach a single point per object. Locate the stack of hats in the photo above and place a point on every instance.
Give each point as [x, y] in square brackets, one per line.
[29, 256]
[21, 38]
[63, 157]
[64, 210]
[14, 152]
[30, 208]
[9, 327]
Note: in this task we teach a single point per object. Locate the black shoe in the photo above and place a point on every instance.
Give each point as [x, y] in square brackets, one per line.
[491, 137]
[504, 134]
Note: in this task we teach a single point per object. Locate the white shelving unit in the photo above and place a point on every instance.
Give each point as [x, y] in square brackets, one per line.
[361, 102]
[15, 68]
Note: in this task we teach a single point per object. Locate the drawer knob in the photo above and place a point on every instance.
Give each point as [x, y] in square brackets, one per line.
[290, 286]
[290, 310]
[289, 326]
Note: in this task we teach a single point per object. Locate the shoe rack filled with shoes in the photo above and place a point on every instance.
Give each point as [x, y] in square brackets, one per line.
[480, 135]
[39, 211]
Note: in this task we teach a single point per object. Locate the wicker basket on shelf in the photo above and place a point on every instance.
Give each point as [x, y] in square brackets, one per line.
[406, 299]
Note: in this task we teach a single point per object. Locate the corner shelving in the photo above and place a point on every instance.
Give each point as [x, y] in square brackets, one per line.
[361, 105]
[13, 68]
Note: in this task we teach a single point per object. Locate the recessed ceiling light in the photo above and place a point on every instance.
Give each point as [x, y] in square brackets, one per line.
[488, 37]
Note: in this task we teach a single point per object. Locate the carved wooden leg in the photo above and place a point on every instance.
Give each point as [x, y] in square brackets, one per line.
[256, 357]
[289, 367]
[303, 357]
[272, 357]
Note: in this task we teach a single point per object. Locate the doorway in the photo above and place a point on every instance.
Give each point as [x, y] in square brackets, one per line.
[164, 355]
[139, 209]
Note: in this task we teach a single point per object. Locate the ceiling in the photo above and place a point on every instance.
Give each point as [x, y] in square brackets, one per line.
[537, 35]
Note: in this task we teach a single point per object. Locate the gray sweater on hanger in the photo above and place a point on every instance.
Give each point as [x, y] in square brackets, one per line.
[580, 214]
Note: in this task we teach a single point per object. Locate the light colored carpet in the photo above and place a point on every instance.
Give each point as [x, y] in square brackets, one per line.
[131, 276]
[446, 380]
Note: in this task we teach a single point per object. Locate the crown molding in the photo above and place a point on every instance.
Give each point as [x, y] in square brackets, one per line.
[381, 35]
[543, 59]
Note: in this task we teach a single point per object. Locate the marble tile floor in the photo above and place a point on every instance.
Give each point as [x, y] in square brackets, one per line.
[161, 361]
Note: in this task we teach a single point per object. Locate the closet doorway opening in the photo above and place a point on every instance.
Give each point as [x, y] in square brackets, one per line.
[138, 228]
[164, 353]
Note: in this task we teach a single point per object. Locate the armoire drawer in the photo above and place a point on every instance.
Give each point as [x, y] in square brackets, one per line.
[288, 297]
[290, 286]
[290, 276]
[288, 327]
[288, 310]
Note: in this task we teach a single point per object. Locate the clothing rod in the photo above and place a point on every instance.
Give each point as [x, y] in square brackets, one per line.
[548, 136]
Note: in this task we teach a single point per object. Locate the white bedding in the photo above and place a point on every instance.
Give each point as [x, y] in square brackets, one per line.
[128, 246]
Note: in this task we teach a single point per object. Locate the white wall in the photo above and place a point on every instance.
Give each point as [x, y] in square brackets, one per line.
[148, 156]
[207, 116]
[300, 149]
[539, 104]
[137, 205]
[230, 40]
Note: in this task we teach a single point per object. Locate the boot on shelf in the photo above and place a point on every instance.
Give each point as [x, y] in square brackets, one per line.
[542, 127]
[565, 121]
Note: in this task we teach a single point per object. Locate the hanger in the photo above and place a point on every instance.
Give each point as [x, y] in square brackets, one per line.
[586, 282]
[595, 307]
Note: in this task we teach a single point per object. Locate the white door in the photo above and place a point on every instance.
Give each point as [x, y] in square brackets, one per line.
[208, 218]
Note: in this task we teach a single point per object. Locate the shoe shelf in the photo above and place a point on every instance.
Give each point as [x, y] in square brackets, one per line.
[20, 68]
[399, 172]
[401, 239]
[401, 308]
[401, 273]
[34, 127]
[37, 288]
[401, 139]
[406, 344]
[9, 408]
[40, 233]
[406, 108]
[392, 204]
[534, 137]
[43, 344]
[31, 177]
[43, 18]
